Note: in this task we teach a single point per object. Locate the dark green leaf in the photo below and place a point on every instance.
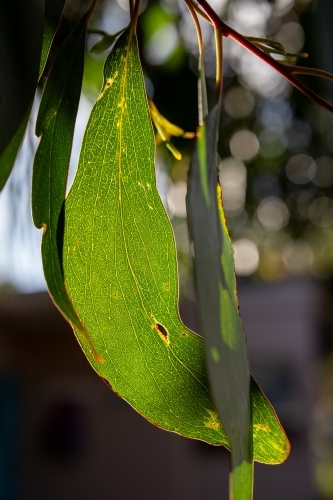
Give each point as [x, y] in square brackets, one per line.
[21, 31]
[225, 344]
[220, 324]
[55, 124]
[7, 157]
[121, 272]
[104, 43]
[53, 12]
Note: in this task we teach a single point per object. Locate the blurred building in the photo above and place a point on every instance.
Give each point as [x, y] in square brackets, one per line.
[64, 434]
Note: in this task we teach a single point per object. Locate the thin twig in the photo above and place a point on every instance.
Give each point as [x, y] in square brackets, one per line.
[131, 6]
[191, 7]
[134, 18]
[202, 94]
[286, 71]
[299, 70]
[201, 13]
[91, 10]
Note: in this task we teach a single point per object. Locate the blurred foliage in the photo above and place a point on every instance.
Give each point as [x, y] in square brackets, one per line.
[275, 145]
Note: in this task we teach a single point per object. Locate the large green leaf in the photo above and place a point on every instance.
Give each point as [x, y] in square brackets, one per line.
[53, 11]
[55, 125]
[21, 30]
[121, 272]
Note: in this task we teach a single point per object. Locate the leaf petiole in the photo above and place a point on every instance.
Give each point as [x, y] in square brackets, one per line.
[135, 15]
[202, 93]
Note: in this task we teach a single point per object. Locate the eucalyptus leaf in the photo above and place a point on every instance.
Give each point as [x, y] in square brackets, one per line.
[8, 156]
[166, 129]
[53, 12]
[105, 42]
[272, 47]
[225, 345]
[120, 271]
[21, 31]
[55, 124]
[219, 320]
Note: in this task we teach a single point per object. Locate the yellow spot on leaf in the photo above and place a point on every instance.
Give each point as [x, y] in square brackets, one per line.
[121, 104]
[108, 84]
[213, 422]
[261, 427]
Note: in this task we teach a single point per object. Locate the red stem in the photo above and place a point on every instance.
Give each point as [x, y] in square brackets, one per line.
[135, 15]
[283, 69]
[91, 10]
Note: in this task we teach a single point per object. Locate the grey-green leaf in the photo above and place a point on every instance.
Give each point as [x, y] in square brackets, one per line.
[220, 324]
[121, 272]
[21, 30]
[53, 12]
[55, 125]
[104, 43]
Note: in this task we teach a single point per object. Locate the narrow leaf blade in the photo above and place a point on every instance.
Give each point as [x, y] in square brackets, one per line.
[225, 344]
[103, 44]
[53, 12]
[226, 353]
[55, 124]
[8, 156]
[21, 25]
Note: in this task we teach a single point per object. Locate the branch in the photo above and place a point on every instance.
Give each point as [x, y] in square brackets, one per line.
[134, 18]
[91, 10]
[286, 71]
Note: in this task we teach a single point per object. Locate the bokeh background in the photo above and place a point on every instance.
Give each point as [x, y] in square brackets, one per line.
[63, 434]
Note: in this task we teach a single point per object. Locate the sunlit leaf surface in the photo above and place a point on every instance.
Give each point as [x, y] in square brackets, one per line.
[121, 274]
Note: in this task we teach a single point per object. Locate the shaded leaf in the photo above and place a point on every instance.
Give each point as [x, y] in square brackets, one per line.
[105, 42]
[121, 272]
[214, 275]
[53, 12]
[8, 156]
[21, 31]
[220, 324]
[55, 124]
